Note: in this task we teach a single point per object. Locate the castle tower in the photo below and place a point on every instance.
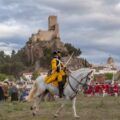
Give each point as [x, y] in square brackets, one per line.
[52, 21]
[111, 62]
[53, 25]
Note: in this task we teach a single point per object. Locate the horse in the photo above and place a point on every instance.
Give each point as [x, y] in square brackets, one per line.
[75, 82]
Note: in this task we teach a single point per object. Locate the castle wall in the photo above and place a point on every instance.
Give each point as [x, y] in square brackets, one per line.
[44, 36]
[53, 31]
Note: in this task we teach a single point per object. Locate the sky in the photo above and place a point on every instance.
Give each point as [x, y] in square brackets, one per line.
[91, 25]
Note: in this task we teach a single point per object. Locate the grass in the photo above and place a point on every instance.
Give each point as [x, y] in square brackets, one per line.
[88, 108]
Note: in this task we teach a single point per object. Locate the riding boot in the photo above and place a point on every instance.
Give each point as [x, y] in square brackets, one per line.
[60, 87]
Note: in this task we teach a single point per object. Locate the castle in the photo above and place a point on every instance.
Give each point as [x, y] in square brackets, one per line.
[41, 40]
[51, 33]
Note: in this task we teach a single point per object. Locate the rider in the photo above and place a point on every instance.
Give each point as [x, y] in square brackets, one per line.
[57, 71]
[61, 73]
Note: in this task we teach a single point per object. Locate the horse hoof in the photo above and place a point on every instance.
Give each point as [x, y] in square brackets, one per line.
[76, 116]
[31, 108]
[33, 114]
[55, 115]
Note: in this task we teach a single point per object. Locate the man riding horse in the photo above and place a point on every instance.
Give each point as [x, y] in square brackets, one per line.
[57, 72]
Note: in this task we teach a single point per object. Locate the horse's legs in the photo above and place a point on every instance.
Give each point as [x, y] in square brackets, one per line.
[35, 106]
[37, 101]
[59, 110]
[74, 107]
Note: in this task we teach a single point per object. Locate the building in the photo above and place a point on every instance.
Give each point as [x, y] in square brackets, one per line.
[101, 70]
[47, 35]
[109, 67]
[28, 75]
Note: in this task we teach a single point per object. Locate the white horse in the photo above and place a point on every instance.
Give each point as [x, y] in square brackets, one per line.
[76, 80]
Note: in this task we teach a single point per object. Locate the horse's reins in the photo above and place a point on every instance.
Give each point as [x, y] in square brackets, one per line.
[79, 82]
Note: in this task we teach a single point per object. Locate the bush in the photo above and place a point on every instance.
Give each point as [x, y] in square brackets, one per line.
[3, 77]
[46, 59]
[35, 74]
[108, 76]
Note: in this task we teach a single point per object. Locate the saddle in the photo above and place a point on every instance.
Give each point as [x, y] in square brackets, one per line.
[52, 79]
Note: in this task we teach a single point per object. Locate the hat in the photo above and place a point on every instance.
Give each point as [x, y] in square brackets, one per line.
[55, 52]
[58, 51]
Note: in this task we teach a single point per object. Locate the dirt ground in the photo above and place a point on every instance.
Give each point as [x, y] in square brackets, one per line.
[88, 108]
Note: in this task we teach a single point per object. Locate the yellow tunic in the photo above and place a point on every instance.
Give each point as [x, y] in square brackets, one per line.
[56, 76]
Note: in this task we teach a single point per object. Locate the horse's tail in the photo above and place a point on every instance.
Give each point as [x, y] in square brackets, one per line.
[32, 92]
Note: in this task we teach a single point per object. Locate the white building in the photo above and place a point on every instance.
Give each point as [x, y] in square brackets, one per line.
[28, 76]
[109, 67]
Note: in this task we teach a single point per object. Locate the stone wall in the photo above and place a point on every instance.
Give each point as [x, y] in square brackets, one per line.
[51, 33]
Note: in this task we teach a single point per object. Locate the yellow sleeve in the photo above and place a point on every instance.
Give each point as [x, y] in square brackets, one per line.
[54, 64]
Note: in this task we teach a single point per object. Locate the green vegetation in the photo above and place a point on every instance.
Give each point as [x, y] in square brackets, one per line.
[17, 62]
[12, 65]
[108, 76]
[45, 60]
[72, 49]
[4, 76]
[35, 74]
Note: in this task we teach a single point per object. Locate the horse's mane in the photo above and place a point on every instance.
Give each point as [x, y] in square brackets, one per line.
[80, 72]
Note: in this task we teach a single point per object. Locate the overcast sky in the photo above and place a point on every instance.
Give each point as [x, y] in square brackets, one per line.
[92, 25]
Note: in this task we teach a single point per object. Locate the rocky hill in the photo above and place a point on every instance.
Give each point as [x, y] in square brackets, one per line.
[41, 44]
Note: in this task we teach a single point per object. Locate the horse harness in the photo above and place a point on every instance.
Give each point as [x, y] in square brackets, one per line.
[75, 90]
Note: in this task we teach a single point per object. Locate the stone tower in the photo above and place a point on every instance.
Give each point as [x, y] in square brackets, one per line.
[52, 21]
[110, 62]
[53, 25]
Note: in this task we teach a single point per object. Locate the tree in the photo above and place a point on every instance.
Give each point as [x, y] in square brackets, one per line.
[72, 49]
[2, 77]
[13, 53]
[35, 74]
[45, 60]
[2, 57]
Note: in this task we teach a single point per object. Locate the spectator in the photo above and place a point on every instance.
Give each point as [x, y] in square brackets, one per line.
[14, 93]
[1, 93]
[23, 95]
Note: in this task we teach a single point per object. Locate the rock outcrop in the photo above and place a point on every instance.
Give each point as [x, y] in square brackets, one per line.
[48, 39]
[76, 63]
[44, 39]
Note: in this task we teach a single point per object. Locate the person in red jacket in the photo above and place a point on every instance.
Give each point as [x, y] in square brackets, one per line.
[89, 91]
[97, 89]
[106, 89]
[115, 89]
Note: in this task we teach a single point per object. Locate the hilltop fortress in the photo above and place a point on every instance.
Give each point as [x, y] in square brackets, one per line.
[51, 33]
[41, 40]
[46, 41]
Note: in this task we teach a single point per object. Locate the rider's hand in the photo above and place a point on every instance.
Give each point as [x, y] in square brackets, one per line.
[64, 68]
[53, 71]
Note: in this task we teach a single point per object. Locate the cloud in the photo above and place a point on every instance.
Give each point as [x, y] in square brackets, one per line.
[11, 28]
[92, 25]
[8, 47]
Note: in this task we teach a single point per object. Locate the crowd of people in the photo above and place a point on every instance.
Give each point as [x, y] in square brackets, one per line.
[17, 91]
[14, 91]
[102, 89]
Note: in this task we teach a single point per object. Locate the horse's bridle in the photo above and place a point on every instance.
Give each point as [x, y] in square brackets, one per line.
[75, 90]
